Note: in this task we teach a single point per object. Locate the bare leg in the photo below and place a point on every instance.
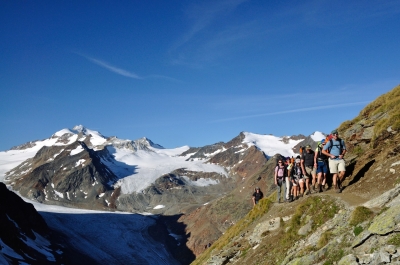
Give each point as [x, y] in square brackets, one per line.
[314, 178]
[334, 178]
[341, 177]
[287, 195]
[323, 179]
[301, 187]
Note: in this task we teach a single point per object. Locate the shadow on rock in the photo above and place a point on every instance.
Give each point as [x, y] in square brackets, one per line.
[172, 234]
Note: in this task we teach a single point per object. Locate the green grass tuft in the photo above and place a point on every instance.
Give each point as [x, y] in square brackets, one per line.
[360, 214]
[357, 230]
[395, 240]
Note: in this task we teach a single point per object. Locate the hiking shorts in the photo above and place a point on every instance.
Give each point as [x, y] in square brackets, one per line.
[296, 181]
[310, 171]
[322, 167]
[336, 165]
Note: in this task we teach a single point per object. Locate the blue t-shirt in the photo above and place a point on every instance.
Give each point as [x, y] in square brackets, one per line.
[335, 147]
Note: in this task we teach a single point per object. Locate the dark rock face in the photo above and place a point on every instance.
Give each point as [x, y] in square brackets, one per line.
[63, 176]
[20, 222]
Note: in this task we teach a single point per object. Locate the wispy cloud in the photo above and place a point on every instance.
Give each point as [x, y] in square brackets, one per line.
[205, 31]
[112, 68]
[292, 111]
[124, 72]
[203, 16]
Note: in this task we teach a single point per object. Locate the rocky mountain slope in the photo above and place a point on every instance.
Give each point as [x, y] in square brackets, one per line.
[24, 235]
[361, 225]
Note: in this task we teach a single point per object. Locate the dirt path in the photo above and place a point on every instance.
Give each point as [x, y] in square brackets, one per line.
[348, 197]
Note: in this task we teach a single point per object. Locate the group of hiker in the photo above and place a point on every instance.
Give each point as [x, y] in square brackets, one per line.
[308, 172]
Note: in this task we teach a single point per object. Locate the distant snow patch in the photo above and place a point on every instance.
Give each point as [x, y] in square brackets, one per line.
[80, 162]
[271, 145]
[59, 194]
[159, 207]
[40, 244]
[202, 182]
[26, 171]
[77, 150]
[58, 153]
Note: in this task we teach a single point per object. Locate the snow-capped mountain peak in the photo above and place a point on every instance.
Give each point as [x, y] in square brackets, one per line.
[317, 136]
[147, 142]
[79, 128]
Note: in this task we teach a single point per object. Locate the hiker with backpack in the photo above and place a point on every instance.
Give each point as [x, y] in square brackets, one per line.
[335, 149]
[280, 175]
[257, 195]
[296, 177]
[309, 168]
[322, 168]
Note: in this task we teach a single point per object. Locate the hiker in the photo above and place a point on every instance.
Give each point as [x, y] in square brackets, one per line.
[288, 182]
[296, 177]
[257, 195]
[309, 168]
[280, 174]
[322, 169]
[335, 149]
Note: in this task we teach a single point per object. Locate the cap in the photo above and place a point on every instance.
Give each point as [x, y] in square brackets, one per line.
[257, 188]
[308, 147]
[323, 141]
[334, 132]
[297, 160]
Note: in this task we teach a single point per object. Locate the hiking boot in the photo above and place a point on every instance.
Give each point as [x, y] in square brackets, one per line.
[338, 190]
[307, 192]
[313, 189]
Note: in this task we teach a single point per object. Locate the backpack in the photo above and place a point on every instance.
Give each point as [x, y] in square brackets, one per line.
[328, 138]
[301, 150]
[320, 155]
[284, 170]
[308, 158]
[340, 145]
[296, 172]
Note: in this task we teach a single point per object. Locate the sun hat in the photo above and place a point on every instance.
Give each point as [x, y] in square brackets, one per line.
[308, 147]
[334, 132]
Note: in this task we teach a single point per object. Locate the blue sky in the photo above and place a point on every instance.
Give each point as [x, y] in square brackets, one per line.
[192, 72]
